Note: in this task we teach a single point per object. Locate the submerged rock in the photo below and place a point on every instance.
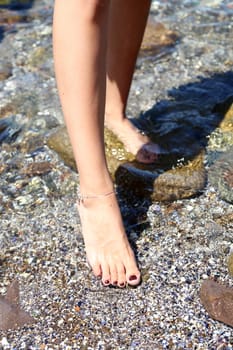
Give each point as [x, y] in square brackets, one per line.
[58, 140]
[157, 39]
[217, 299]
[9, 129]
[221, 175]
[11, 315]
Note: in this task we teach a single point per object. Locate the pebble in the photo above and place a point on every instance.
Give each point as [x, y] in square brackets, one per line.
[218, 301]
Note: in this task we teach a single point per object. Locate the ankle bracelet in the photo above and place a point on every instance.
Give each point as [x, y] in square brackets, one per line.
[82, 197]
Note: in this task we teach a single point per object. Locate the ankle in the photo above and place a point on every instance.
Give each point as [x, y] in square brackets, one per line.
[96, 187]
[88, 198]
[113, 117]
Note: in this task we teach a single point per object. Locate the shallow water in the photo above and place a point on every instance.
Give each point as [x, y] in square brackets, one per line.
[178, 244]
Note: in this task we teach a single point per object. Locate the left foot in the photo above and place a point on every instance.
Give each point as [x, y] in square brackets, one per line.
[134, 141]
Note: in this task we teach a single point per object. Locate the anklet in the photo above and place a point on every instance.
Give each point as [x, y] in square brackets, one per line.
[82, 197]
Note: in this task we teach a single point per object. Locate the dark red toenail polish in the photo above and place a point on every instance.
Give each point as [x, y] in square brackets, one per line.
[106, 282]
[122, 284]
[132, 278]
[114, 283]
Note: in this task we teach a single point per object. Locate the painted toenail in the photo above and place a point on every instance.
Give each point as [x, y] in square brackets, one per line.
[122, 284]
[114, 283]
[106, 282]
[132, 278]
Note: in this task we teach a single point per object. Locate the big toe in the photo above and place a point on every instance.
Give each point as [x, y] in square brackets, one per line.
[133, 277]
[148, 153]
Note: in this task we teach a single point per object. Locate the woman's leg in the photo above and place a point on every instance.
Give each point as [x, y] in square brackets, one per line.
[127, 23]
[80, 37]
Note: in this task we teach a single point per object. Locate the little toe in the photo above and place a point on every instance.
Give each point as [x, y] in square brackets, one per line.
[96, 268]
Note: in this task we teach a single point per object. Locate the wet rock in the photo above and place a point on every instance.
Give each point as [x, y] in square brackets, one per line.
[5, 70]
[218, 301]
[11, 315]
[58, 140]
[230, 264]
[225, 219]
[159, 181]
[227, 123]
[9, 129]
[37, 168]
[182, 181]
[221, 175]
[157, 39]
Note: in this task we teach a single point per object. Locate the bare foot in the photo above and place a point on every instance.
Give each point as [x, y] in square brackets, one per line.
[135, 141]
[107, 247]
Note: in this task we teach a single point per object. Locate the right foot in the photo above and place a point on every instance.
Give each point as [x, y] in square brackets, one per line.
[134, 141]
[107, 247]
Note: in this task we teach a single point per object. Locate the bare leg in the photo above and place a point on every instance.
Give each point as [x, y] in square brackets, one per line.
[80, 30]
[126, 28]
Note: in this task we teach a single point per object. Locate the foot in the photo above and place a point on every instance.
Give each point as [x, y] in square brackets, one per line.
[134, 140]
[107, 247]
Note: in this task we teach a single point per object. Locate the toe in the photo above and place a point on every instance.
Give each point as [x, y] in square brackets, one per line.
[114, 275]
[121, 275]
[96, 268]
[134, 278]
[148, 153]
[106, 277]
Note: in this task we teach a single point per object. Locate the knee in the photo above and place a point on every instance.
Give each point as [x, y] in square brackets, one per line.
[94, 9]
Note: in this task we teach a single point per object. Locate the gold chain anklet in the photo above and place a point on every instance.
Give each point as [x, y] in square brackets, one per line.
[82, 197]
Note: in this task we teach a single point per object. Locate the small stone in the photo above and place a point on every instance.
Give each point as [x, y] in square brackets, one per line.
[217, 299]
[156, 38]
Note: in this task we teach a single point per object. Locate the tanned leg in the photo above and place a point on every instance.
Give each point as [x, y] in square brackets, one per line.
[80, 38]
[126, 28]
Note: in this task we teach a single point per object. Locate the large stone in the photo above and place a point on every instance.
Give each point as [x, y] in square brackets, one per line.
[217, 299]
[181, 181]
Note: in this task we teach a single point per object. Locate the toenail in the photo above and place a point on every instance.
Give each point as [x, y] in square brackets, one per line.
[114, 283]
[122, 284]
[132, 278]
[106, 282]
